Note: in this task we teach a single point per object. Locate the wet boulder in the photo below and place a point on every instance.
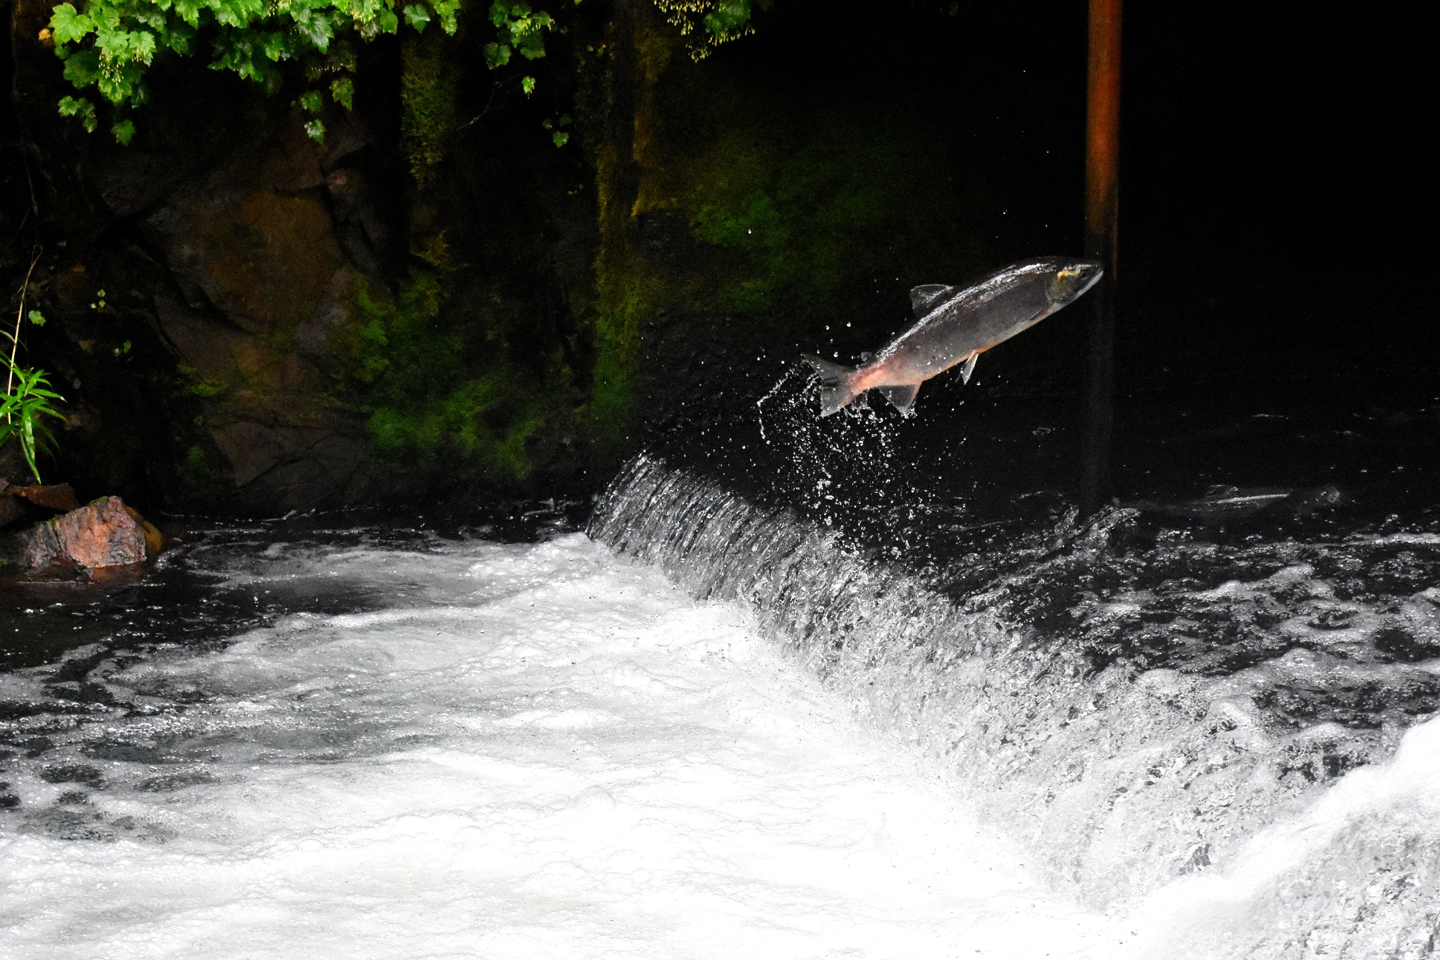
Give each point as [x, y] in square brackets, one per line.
[103, 535]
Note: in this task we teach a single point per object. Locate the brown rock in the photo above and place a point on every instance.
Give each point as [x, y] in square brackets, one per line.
[261, 308]
[101, 534]
[11, 511]
[52, 496]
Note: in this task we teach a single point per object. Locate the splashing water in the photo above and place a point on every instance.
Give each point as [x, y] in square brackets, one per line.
[899, 722]
[1136, 722]
[507, 751]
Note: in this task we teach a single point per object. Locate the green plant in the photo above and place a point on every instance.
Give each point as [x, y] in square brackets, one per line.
[443, 390]
[25, 401]
[719, 21]
[27, 393]
[110, 45]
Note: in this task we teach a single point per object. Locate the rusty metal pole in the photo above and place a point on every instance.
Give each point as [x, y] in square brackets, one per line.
[1102, 206]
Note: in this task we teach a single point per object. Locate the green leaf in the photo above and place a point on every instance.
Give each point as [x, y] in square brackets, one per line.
[312, 101]
[82, 108]
[110, 44]
[727, 20]
[528, 85]
[37, 318]
[236, 13]
[446, 10]
[315, 130]
[123, 131]
[142, 46]
[117, 81]
[496, 55]
[532, 45]
[561, 138]
[152, 17]
[189, 11]
[68, 26]
[82, 70]
[177, 36]
[276, 45]
[315, 26]
[343, 92]
[75, 106]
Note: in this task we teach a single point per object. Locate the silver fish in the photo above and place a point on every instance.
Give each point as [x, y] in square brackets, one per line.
[956, 326]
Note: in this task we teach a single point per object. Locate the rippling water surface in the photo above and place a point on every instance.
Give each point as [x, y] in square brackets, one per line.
[498, 749]
[859, 687]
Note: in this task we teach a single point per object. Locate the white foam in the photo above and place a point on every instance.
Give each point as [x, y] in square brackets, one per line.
[1369, 833]
[534, 752]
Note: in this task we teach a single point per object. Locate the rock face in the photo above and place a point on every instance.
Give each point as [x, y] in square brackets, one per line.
[262, 287]
[101, 535]
[206, 275]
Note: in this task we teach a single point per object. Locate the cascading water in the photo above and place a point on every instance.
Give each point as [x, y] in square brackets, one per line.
[1216, 735]
[1190, 721]
[359, 742]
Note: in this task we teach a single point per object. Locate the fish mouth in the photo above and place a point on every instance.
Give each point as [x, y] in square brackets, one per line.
[1069, 282]
[1095, 271]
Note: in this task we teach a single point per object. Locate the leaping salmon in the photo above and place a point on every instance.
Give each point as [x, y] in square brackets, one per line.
[956, 326]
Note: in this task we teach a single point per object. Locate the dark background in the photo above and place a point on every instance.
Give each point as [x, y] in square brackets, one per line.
[1273, 254]
[1274, 319]
[1272, 187]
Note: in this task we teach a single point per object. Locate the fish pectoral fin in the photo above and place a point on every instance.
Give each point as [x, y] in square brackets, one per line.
[924, 297]
[969, 368]
[902, 397]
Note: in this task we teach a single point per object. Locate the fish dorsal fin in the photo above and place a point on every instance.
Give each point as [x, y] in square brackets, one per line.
[902, 397]
[923, 298]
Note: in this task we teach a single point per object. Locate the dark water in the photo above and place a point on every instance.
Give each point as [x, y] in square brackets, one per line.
[1141, 693]
[1146, 697]
[185, 598]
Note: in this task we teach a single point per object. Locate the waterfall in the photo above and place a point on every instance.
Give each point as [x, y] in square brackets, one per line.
[1184, 713]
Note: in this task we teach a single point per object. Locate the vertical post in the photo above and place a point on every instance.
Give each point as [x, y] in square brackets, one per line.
[1102, 204]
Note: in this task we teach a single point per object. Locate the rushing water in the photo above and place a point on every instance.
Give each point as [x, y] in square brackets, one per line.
[1198, 715]
[801, 692]
[500, 750]
[1211, 710]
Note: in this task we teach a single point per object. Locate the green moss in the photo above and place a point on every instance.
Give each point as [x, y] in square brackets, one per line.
[196, 385]
[796, 210]
[481, 427]
[429, 90]
[624, 304]
[204, 477]
[443, 393]
[794, 213]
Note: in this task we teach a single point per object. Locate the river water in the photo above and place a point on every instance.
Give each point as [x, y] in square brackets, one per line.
[504, 750]
[821, 705]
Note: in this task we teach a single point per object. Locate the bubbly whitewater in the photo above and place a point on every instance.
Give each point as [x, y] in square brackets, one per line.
[723, 730]
[529, 751]
[1195, 732]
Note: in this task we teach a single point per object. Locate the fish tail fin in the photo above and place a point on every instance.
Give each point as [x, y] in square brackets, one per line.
[835, 384]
